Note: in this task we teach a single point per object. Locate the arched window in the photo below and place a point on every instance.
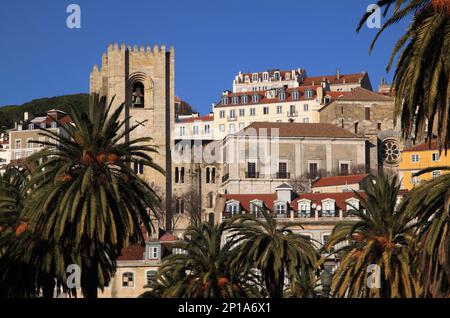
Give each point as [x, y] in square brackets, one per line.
[138, 95]
[295, 95]
[210, 200]
[179, 206]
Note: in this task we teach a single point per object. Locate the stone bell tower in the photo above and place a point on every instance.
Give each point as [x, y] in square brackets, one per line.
[143, 79]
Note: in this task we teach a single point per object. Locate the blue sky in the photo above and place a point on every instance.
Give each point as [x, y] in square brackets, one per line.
[214, 40]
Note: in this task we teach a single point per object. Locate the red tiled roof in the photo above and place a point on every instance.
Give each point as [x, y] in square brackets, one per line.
[167, 237]
[423, 147]
[245, 199]
[339, 180]
[133, 252]
[348, 78]
[335, 95]
[339, 197]
[268, 199]
[194, 119]
[263, 99]
[362, 94]
[299, 130]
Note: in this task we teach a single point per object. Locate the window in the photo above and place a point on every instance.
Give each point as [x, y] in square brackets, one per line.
[19, 127]
[179, 206]
[210, 200]
[232, 113]
[255, 98]
[231, 128]
[222, 114]
[276, 76]
[436, 174]
[242, 112]
[54, 124]
[255, 77]
[308, 93]
[288, 76]
[31, 126]
[356, 128]
[241, 126]
[266, 110]
[235, 99]
[207, 129]
[292, 109]
[222, 127]
[344, 168]
[279, 109]
[282, 96]
[30, 143]
[225, 100]
[251, 170]
[182, 131]
[352, 204]
[415, 158]
[313, 169]
[244, 99]
[379, 126]
[18, 143]
[179, 175]
[367, 113]
[17, 155]
[435, 156]
[255, 206]
[282, 170]
[306, 120]
[252, 111]
[233, 208]
[128, 279]
[210, 175]
[195, 130]
[415, 179]
[138, 95]
[139, 168]
[295, 95]
[153, 252]
[325, 238]
[305, 209]
[265, 76]
[150, 275]
[280, 208]
[328, 209]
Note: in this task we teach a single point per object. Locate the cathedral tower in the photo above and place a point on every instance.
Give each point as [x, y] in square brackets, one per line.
[143, 79]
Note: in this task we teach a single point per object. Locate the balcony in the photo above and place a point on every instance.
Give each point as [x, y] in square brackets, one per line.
[225, 177]
[292, 114]
[328, 213]
[252, 175]
[283, 175]
[231, 118]
[305, 214]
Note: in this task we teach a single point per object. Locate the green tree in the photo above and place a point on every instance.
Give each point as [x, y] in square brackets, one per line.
[86, 197]
[422, 74]
[382, 236]
[203, 270]
[429, 205]
[276, 252]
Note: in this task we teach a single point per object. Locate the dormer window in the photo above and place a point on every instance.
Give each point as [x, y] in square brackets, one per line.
[281, 208]
[247, 79]
[287, 76]
[308, 94]
[42, 125]
[235, 100]
[256, 206]
[224, 100]
[352, 204]
[153, 252]
[282, 96]
[328, 208]
[304, 208]
[244, 99]
[31, 126]
[265, 76]
[54, 124]
[295, 95]
[233, 207]
[255, 98]
[276, 76]
[255, 77]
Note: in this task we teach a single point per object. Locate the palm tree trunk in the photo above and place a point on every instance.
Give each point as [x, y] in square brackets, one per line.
[89, 278]
[274, 287]
[48, 287]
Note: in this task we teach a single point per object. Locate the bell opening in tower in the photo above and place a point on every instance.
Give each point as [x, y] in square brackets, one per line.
[138, 95]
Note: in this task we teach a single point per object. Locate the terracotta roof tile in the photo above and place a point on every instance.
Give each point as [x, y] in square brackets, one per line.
[133, 252]
[340, 180]
[194, 119]
[339, 197]
[423, 147]
[299, 130]
[362, 94]
[348, 78]
[245, 199]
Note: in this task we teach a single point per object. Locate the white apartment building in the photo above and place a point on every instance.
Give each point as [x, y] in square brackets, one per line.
[194, 127]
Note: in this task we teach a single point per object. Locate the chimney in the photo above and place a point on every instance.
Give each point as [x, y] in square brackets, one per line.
[26, 116]
[320, 94]
[338, 74]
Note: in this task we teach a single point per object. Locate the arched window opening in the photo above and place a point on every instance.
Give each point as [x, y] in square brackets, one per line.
[138, 95]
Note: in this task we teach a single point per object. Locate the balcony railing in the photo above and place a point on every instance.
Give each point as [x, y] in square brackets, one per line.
[225, 177]
[328, 213]
[292, 114]
[251, 175]
[304, 214]
[231, 118]
[283, 175]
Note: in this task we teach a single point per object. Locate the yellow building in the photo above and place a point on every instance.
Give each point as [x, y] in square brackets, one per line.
[418, 158]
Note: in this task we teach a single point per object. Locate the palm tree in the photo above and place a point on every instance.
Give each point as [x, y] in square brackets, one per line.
[382, 236]
[422, 75]
[429, 205]
[85, 196]
[275, 252]
[203, 271]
